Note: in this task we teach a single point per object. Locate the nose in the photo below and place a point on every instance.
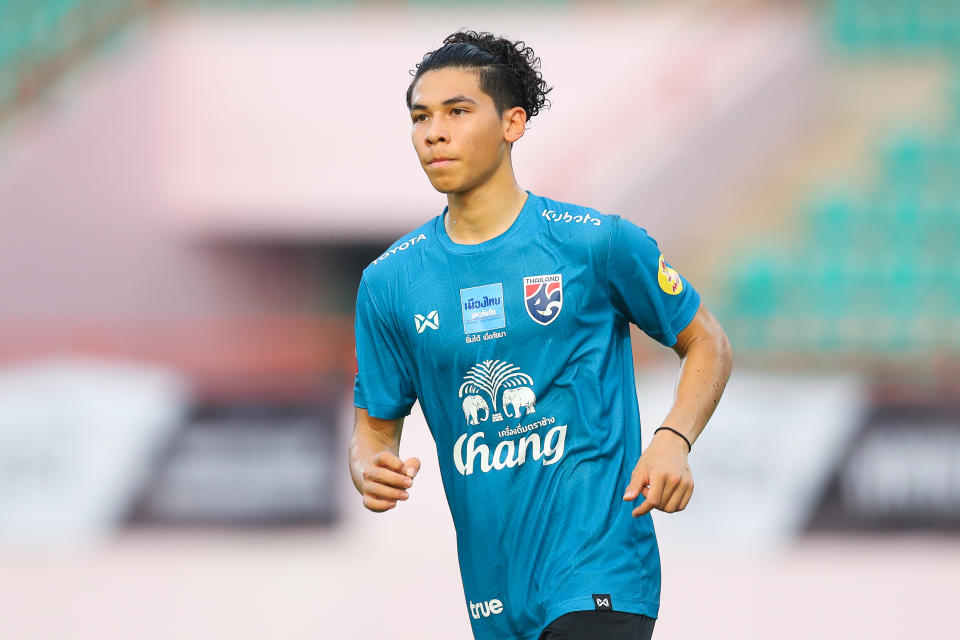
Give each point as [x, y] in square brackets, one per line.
[436, 132]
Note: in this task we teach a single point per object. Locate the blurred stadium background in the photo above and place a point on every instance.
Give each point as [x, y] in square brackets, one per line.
[190, 189]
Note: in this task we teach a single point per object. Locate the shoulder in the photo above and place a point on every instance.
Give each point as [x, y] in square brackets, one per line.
[577, 225]
[402, 259]
[583, 224]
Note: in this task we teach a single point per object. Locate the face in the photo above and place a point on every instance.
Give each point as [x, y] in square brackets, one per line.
[455, 120]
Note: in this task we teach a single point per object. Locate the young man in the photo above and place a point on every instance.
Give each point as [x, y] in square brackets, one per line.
[507, 317]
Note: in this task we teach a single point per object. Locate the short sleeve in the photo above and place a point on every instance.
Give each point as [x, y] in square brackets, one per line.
[644, 287]
[383, 384]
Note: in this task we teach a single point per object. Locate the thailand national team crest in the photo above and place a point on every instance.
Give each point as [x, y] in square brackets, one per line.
[543, 297]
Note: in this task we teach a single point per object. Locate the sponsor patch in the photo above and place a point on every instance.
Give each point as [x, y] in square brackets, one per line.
[403, 246]
[668, 278]
[543, 297]
[498, 391]
[492, 607]
[482, 308]
[566, 217]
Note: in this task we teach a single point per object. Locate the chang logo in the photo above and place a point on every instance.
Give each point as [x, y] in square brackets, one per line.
[484, 385]
[468, 451]
[489, 377]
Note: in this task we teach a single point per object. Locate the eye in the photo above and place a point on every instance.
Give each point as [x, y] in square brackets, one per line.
[417, 117]
[461, 110]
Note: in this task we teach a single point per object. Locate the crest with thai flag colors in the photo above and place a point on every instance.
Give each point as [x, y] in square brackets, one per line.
[543, 297]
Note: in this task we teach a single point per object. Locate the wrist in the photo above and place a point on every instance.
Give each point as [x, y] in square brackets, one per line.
[676, 436]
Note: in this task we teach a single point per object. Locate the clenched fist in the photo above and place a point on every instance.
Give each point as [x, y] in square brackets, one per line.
[386, 480]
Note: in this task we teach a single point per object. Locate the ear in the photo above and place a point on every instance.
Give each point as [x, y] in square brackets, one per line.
[514, 124]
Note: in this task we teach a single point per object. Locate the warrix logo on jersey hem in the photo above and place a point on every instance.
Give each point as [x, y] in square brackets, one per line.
[403, 246]
[602, 602]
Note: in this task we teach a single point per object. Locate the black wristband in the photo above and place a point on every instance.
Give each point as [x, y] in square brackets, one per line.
[689, 446]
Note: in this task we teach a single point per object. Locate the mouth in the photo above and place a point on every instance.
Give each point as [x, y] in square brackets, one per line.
[440, 162]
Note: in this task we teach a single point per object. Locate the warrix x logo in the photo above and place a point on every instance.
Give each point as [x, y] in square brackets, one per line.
[602, 602]
[431, 320]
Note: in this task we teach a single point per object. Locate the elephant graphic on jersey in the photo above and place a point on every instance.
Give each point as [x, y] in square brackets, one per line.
[518, 397]
[472, 405]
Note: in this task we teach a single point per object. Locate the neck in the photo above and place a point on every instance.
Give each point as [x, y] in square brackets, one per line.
[486, 210]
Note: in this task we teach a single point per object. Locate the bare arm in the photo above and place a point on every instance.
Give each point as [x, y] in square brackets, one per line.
[377, 471]
[662, 474]
[706, 362]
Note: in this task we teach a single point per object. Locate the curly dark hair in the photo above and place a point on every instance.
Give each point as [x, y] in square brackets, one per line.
[509, 72]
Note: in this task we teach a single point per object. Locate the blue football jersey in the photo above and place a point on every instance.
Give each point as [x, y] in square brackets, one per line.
[518, 349]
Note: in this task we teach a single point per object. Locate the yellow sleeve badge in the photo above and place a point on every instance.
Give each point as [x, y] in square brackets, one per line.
[668, 278]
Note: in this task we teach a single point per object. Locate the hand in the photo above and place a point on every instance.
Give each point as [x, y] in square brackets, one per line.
[386, 479]
[662, 475]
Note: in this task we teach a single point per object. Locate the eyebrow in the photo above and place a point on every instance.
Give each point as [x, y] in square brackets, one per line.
[452, 100]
